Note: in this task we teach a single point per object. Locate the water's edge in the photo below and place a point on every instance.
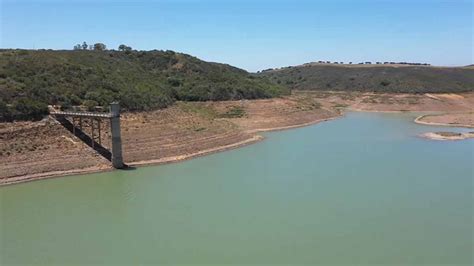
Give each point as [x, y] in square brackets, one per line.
[176, 159]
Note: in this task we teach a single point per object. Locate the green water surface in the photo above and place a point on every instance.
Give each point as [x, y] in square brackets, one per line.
[363, 189]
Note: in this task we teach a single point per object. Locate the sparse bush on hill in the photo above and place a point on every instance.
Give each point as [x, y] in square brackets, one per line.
[140, 80]
[407, 79]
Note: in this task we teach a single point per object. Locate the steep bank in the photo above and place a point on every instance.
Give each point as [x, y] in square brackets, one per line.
[33, 150]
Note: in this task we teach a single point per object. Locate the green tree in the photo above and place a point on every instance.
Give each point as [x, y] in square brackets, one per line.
[124, 48]
[5, 114]
[100, 47]
[90, 104]
[29, 109]
[84, 46]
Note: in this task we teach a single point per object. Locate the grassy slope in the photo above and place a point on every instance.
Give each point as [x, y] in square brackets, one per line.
[412, 79]
[29, 80]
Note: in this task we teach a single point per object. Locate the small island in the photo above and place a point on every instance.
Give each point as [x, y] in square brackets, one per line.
[448, 135]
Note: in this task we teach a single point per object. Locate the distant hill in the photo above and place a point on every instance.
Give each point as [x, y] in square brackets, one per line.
[377, 78]
[140, 80]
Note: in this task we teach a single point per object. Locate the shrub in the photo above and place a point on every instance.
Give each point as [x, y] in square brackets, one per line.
[5, 114]
[90, 104]
[234, 112]
[28, 109]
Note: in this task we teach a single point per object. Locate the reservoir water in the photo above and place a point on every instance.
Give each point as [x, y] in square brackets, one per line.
[363, 189]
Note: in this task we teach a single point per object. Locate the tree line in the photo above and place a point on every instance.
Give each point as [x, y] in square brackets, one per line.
[100, 47]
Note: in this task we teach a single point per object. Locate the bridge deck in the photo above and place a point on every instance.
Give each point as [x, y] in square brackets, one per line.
[83, 114]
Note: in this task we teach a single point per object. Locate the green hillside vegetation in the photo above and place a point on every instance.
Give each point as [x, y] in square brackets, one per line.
[140, 80]
[376, 78]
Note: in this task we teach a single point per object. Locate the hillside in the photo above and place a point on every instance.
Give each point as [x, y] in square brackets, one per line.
[140, 80]
[376, 78]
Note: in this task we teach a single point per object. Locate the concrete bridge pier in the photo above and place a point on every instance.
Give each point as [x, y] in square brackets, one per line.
[117, 159]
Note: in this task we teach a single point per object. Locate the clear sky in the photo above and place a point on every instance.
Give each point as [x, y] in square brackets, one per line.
[253, 35]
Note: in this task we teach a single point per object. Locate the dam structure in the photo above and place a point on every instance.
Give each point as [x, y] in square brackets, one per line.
[73, 121]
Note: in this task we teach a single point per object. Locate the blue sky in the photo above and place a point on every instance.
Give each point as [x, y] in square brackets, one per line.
[253, 35]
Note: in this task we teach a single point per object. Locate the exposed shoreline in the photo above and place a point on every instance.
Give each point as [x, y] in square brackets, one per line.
[254, 139]
[295, 126]
[167, 160]
[418, 120]
[184, 157]
[55, 174]
[190, 130]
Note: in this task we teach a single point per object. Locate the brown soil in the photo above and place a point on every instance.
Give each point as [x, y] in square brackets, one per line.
[174, 131]
[31, 148]
[465, 119]
[385, 102]
[34, 150]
